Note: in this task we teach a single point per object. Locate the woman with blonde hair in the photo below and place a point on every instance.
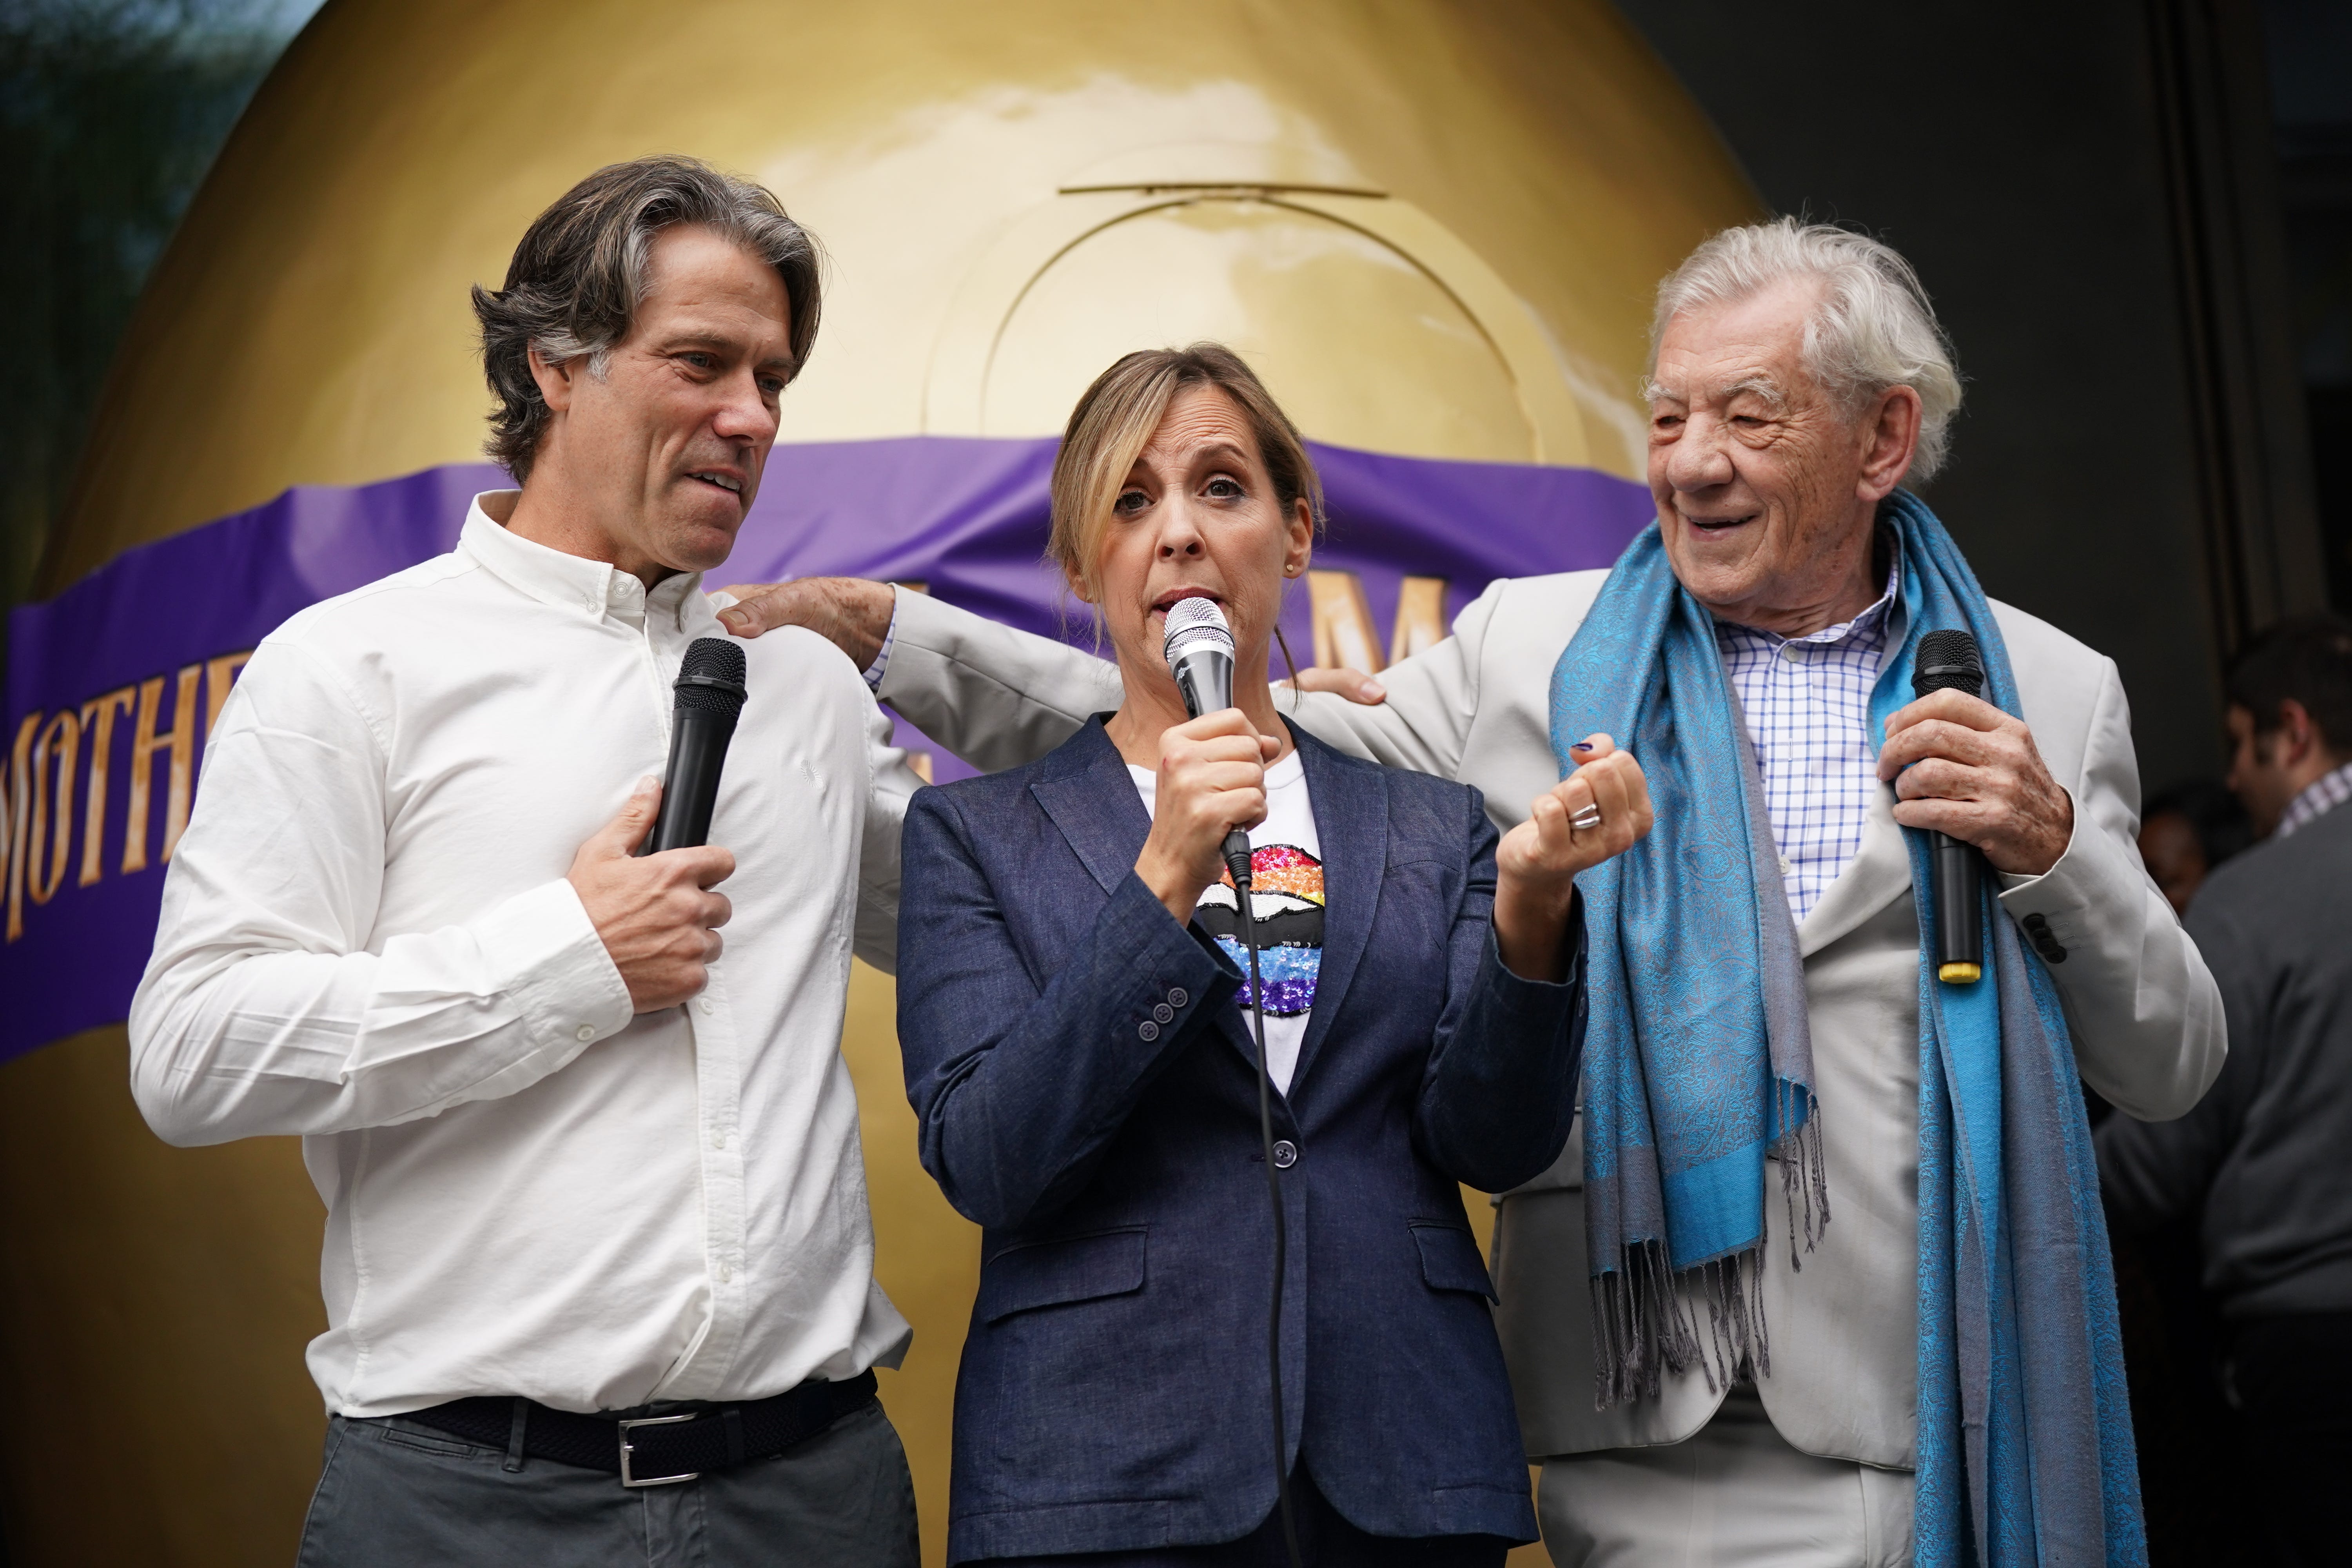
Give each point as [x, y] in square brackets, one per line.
[1076, 1011]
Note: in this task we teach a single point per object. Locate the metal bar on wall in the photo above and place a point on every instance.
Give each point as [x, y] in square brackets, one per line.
[2262, 553]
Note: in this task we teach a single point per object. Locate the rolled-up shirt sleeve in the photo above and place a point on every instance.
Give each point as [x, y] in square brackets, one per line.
[264, 1008]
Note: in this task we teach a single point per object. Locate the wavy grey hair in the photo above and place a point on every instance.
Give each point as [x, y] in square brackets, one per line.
[577, 277]
[1873, 329]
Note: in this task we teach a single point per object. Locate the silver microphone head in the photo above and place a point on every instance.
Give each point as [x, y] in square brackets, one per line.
[1196, 623]
[1199, 646]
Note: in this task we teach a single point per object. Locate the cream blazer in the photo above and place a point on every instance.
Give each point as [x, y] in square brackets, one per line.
[1844, 1384]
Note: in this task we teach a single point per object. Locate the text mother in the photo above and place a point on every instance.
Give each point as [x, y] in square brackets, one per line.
[1922, 1365]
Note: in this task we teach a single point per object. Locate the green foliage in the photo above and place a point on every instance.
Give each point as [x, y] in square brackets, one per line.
[110, 112]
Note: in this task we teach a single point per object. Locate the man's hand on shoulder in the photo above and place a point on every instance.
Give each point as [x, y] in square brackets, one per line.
[1962, 766]
[657, 915]
[851, 612]
[1354, 685]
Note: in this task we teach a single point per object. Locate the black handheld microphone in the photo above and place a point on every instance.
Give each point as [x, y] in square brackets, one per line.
[1950, 660]
[710, 688]
[1199, 646]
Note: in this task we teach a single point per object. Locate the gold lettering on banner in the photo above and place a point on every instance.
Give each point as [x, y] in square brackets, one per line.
[1344, 632]
[220, 674]
[97, 717]
[181, 741]
[40, 776]
[45, 858]
[20, 803]
[1419, 618]
[1343, 623]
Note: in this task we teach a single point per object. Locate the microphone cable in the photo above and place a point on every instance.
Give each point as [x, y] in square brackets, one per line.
[1237, 865]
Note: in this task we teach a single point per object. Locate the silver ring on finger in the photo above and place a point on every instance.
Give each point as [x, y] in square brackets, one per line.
[1586, 819]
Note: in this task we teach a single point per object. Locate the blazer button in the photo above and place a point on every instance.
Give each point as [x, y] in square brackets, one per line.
[1149, 1030]
[1177, 997]
[2045, 941]
[1285, 1155]
[1163, 1012]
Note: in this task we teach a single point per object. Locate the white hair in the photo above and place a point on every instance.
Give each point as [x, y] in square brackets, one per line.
[1873, 329]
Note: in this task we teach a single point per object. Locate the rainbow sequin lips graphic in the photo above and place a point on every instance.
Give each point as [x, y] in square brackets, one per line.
[1286, 897]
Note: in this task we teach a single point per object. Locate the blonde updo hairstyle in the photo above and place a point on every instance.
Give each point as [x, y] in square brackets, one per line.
[1114, 421]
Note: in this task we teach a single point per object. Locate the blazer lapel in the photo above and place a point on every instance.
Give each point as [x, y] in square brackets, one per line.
[1352, 822]
[1095, 804]
[1880, 870]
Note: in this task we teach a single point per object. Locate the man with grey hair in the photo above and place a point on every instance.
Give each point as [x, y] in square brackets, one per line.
[1922, 1360]
[598, 1266]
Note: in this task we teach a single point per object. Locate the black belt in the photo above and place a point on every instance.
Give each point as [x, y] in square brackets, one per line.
[654, 1450]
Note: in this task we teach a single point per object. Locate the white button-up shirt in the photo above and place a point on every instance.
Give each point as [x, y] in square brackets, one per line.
[367, 939]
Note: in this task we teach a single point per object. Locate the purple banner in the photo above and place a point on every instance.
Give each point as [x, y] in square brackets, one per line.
[115, 684]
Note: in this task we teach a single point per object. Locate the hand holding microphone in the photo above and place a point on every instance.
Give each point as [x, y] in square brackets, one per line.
[1212, 786]
[646, 877]
[1971, 774]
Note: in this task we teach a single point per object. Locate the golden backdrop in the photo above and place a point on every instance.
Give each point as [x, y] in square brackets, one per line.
[1434, 227]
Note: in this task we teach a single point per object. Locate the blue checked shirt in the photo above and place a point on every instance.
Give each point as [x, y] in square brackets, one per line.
[1807, 701]
[2323, 794]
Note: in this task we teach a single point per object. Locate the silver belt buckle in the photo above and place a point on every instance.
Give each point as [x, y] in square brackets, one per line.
[630, 1480]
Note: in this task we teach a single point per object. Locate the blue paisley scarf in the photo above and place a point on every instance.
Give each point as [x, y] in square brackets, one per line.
[1697, 1066]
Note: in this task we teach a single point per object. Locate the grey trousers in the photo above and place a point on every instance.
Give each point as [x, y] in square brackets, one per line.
[396, 1494]
[1735, 1495]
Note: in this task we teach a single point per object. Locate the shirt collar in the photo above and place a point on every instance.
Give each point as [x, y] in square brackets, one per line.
[567, 582]
[2319, 796]
[1870, 623]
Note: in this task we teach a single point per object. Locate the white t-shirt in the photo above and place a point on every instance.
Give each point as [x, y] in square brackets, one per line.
[1286, 900]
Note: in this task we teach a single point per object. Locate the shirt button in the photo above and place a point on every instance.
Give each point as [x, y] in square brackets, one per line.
[726, 1272]
[1285, 1155]
[1163, 1012]
[585, 1032]
[1176, 996]
[1149, 1030]
[705, 1007]
[719, 1139]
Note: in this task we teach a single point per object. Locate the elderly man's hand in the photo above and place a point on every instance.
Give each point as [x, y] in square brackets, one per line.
[851, 612]
[1964, 767]
[1352, 684]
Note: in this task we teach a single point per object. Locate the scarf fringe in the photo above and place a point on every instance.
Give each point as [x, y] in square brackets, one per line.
[1804, 1176]
[1645, 1315]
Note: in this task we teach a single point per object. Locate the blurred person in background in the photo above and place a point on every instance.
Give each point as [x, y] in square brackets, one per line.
[2264, 1152]
[2186, 831]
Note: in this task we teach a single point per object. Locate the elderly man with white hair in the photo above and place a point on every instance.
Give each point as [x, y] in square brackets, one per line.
[1907, 1352]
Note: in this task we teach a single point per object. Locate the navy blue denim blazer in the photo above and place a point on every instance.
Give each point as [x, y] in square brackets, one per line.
[1087, 1093]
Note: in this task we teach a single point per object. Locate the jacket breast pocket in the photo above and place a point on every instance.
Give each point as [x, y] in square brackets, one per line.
[1450, 1260]
[1033, 1274]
